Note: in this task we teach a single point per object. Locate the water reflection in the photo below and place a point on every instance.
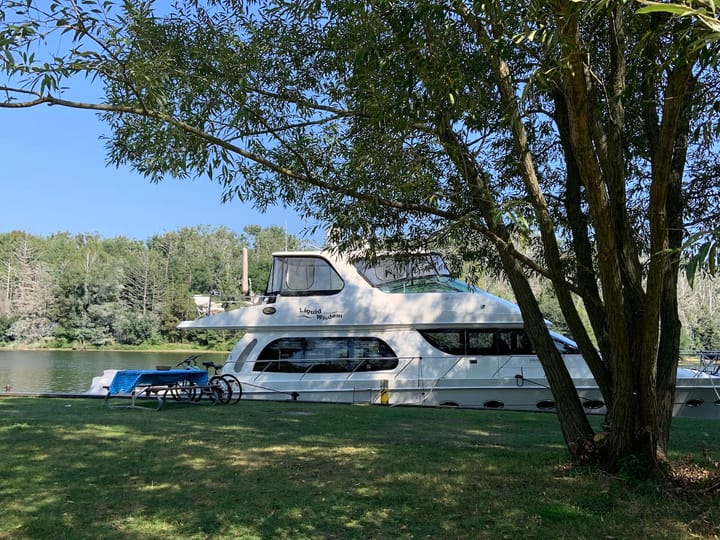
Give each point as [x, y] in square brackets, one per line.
[72, 371]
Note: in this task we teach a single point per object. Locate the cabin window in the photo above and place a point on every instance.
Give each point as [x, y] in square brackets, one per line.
[513, 342]
[326, 355]
[480, 342]
[303, 276]
[490, 341]
[447, 340]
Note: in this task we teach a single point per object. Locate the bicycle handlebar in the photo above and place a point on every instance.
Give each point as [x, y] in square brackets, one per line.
[189, 361]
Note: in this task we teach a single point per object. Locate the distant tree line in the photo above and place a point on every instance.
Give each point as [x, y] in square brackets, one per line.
[87, 291]
[699, 307]
[83, 290]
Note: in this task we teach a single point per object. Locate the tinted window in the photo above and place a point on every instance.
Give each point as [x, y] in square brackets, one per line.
[326, 355]
[410, 274]
[513, 342]
[480, 341]
[449, 341]
[491, 341]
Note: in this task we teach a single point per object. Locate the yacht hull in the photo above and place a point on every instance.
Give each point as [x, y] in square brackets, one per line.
[692, 401]
[404, 332]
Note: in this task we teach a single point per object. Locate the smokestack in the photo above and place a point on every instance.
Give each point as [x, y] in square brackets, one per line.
[245, 279]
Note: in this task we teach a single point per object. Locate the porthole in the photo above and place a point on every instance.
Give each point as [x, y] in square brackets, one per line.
[717, 402]
[593, 404]
[545, 404]
[449, 404]
[493, 404]
[694, 402]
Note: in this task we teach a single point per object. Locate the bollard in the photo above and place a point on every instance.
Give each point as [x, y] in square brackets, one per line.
[384, 393]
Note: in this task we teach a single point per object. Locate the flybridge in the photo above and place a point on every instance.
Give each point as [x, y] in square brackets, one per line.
[306, 274]
[307, 289]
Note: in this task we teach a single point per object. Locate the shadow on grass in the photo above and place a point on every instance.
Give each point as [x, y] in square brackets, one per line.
[72, 469]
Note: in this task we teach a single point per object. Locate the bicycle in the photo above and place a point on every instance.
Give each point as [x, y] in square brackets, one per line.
[234, 389]
[224, 389]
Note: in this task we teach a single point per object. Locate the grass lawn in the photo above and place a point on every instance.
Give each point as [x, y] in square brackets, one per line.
[261, 470]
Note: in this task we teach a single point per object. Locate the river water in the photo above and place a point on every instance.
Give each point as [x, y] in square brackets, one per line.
[72, 371]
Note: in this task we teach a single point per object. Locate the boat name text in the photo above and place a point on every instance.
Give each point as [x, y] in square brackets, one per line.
[318, 314]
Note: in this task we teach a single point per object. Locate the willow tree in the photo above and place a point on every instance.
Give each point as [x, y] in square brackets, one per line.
[568, 128]
[704, 244]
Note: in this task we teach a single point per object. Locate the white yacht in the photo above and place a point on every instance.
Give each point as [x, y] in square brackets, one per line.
[402, 331]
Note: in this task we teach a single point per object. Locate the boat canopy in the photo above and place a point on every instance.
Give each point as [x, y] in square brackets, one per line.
[310, 275]
[302, 276]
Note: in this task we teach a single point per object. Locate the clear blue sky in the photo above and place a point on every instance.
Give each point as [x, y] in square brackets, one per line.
[54, 178]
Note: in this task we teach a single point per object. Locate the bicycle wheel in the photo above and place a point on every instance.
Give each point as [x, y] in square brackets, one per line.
[184, 390]
[235, 388]
[219, 390]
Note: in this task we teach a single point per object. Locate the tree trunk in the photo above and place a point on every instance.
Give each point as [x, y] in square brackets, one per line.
[575, 426]
[576, 429]
[642, 318]
[584, 257]
[669, 349]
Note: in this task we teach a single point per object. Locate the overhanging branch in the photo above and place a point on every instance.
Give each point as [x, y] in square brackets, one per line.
[307, 179]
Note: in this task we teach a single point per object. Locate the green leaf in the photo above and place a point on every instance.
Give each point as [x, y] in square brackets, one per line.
[712, 259]
[673, 9]
[690, 270]
[703, 251]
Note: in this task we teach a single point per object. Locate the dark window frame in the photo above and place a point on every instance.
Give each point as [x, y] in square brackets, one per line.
[505, 342]
[345, 354]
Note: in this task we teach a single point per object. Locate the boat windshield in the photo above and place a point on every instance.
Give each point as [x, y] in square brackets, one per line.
[408, 274]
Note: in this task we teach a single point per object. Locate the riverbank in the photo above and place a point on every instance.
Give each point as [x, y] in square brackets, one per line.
[72, 371]
[72, 468]
[164, 348]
